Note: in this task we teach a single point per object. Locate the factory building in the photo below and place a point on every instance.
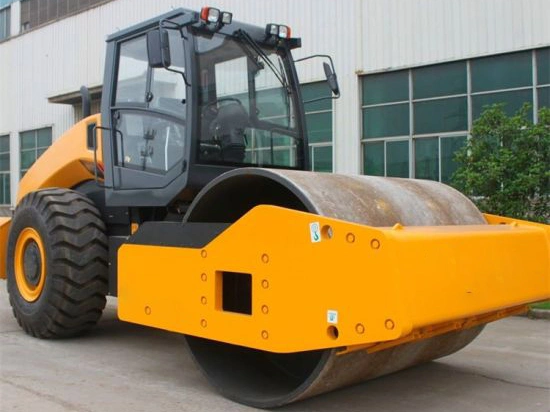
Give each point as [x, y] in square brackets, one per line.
[414, 74]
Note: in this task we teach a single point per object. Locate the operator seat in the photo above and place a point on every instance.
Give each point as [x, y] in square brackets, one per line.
[227, 130]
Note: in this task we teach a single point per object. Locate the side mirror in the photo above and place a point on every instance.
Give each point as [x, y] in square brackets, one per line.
[331, 79]
[158, 48]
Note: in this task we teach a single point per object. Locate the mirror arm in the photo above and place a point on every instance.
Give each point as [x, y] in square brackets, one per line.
[182, 75]
[335, 95]
[188, 20]
[318, 99]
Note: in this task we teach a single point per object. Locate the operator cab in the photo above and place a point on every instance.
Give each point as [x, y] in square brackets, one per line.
[189, 96]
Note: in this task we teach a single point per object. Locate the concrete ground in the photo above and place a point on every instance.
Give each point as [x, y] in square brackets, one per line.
[123, 367]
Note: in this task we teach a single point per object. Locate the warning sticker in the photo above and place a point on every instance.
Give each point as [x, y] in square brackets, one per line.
[315, 232]
[332, 316]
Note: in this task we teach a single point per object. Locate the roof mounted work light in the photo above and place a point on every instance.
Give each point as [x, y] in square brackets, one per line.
[213, 15]
[277, 30]
[227, 17]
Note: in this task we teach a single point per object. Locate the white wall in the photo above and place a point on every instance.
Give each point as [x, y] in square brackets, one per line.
[362, 36]
[401, 33]
[14, 18]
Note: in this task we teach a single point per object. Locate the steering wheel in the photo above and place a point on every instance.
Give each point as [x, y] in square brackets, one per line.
[213, 109]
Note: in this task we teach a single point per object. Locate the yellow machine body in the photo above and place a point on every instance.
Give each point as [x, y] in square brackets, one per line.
[354, 287]
[66, 163]
[288, 283]
[4, 232]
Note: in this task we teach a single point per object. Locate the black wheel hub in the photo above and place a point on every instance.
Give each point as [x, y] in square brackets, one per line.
[32, 263]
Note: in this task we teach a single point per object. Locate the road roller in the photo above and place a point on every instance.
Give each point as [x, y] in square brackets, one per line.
[189, 199]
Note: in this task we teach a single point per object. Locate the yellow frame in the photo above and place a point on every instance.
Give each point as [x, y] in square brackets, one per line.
[67, 161]
[386, 284]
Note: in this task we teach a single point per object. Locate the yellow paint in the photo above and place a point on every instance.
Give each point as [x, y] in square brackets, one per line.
[28, 291]
[501, 220]
[61, 165]
[431, 331]
[391, 282]
[5, 223]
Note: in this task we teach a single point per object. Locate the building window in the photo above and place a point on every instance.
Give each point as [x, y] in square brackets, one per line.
[37, 12]
[5, 170]
[33, 144]
[543, 77]
[5, 23]
[415, 120]
[319, 125]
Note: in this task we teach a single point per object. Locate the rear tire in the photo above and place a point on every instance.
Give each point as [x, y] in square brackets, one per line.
[57, 263]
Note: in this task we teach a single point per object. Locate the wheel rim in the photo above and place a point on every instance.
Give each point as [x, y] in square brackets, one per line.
[30, 270]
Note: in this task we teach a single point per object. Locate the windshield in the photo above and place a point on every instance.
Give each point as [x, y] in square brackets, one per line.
[246, 108]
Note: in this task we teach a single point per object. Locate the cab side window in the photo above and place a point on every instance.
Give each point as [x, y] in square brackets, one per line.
[168, 89]
[148, 143]
[132, 72]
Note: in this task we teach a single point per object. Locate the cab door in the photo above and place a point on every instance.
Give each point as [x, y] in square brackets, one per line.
[147, 116]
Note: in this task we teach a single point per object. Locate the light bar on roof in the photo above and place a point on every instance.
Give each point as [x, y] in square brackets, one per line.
[227, 17]
[277, 30]
[213, 15]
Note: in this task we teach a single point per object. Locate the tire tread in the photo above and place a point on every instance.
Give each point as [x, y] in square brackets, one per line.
[77, 265]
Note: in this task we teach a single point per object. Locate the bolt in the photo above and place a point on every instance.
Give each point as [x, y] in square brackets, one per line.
[327, 232]
[375, 244]
[204, 277]
[203, 300]
[350, 238]
[332, 332]
[389, 324]
[265, 284]
[147, 310]
[204, 324]
[265, 258]
[359, 328]
[204, 253]
[265, 309]
[265, 335]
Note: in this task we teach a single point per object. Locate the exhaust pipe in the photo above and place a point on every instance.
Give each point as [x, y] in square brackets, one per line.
[86, 101]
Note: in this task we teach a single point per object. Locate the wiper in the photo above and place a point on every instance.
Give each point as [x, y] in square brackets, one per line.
[283, 74]
[253, 58]
[256, 48]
